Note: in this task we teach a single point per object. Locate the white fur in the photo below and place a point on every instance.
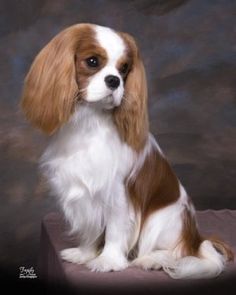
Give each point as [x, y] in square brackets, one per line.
[79, 255]
[210, 265]
[86, 164]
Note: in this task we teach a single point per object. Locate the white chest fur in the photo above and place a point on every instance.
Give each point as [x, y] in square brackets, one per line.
[84, 163]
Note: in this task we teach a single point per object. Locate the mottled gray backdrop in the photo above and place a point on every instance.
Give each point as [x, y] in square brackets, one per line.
[189, 50]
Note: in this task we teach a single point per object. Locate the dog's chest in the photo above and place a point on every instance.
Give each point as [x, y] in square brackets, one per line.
[89, 149]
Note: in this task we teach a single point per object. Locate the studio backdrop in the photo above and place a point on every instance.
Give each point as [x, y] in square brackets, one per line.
[189, 52]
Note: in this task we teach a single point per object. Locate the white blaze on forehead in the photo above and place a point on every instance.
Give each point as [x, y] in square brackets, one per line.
[111, 42]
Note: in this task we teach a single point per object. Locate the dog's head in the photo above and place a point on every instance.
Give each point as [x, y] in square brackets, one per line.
[93, 64]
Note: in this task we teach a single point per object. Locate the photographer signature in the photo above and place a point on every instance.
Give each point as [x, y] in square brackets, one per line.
[27, 273]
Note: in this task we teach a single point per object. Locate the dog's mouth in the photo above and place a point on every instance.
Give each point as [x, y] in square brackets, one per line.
[109, 102]
[106, 103]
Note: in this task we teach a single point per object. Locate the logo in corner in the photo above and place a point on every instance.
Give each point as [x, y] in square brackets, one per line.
[27, 273]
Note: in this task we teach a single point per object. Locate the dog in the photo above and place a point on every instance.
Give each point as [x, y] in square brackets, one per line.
[87, 89]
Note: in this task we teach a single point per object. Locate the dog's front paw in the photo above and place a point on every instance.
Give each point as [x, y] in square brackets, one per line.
[105, 263]
[77, 255]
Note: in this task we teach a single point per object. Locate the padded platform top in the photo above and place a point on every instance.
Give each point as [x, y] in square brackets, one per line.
[221, 223]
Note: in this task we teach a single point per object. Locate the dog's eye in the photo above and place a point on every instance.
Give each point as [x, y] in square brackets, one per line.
[92, 61]
[124, 68]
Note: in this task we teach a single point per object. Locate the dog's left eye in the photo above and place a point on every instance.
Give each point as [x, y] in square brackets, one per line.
[92, 61]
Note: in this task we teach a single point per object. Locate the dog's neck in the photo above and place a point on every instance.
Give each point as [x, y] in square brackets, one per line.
[88, 117]
[87, 125]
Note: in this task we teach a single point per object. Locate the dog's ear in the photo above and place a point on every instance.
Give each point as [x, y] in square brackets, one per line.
[50, 87]
[131, 116]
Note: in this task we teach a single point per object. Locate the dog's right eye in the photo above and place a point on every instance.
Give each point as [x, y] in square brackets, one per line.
[92, 61]
[124, 68]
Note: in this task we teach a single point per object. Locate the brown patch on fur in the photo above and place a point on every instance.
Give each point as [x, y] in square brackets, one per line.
[51, 90]
[131, 117]
[155, 186]
[190, 238]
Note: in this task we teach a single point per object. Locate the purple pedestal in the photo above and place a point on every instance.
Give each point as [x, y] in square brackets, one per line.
[54, 238]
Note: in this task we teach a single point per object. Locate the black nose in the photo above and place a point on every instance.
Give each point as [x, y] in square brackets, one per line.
[112, 82]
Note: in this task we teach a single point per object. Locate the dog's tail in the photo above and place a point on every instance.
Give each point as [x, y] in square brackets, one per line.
[200, 257]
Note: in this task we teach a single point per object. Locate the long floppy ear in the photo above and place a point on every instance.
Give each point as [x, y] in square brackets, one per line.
[50, 87]
[131, 117]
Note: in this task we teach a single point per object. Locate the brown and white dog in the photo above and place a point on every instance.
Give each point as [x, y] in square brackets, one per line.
[88, 88]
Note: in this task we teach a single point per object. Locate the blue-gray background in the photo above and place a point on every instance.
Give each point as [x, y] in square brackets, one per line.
[189, 50]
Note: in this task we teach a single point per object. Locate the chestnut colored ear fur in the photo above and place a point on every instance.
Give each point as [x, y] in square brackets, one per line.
[131, 116]
[50, 87]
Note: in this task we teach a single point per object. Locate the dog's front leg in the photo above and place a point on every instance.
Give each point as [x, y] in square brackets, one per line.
[118, 229]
